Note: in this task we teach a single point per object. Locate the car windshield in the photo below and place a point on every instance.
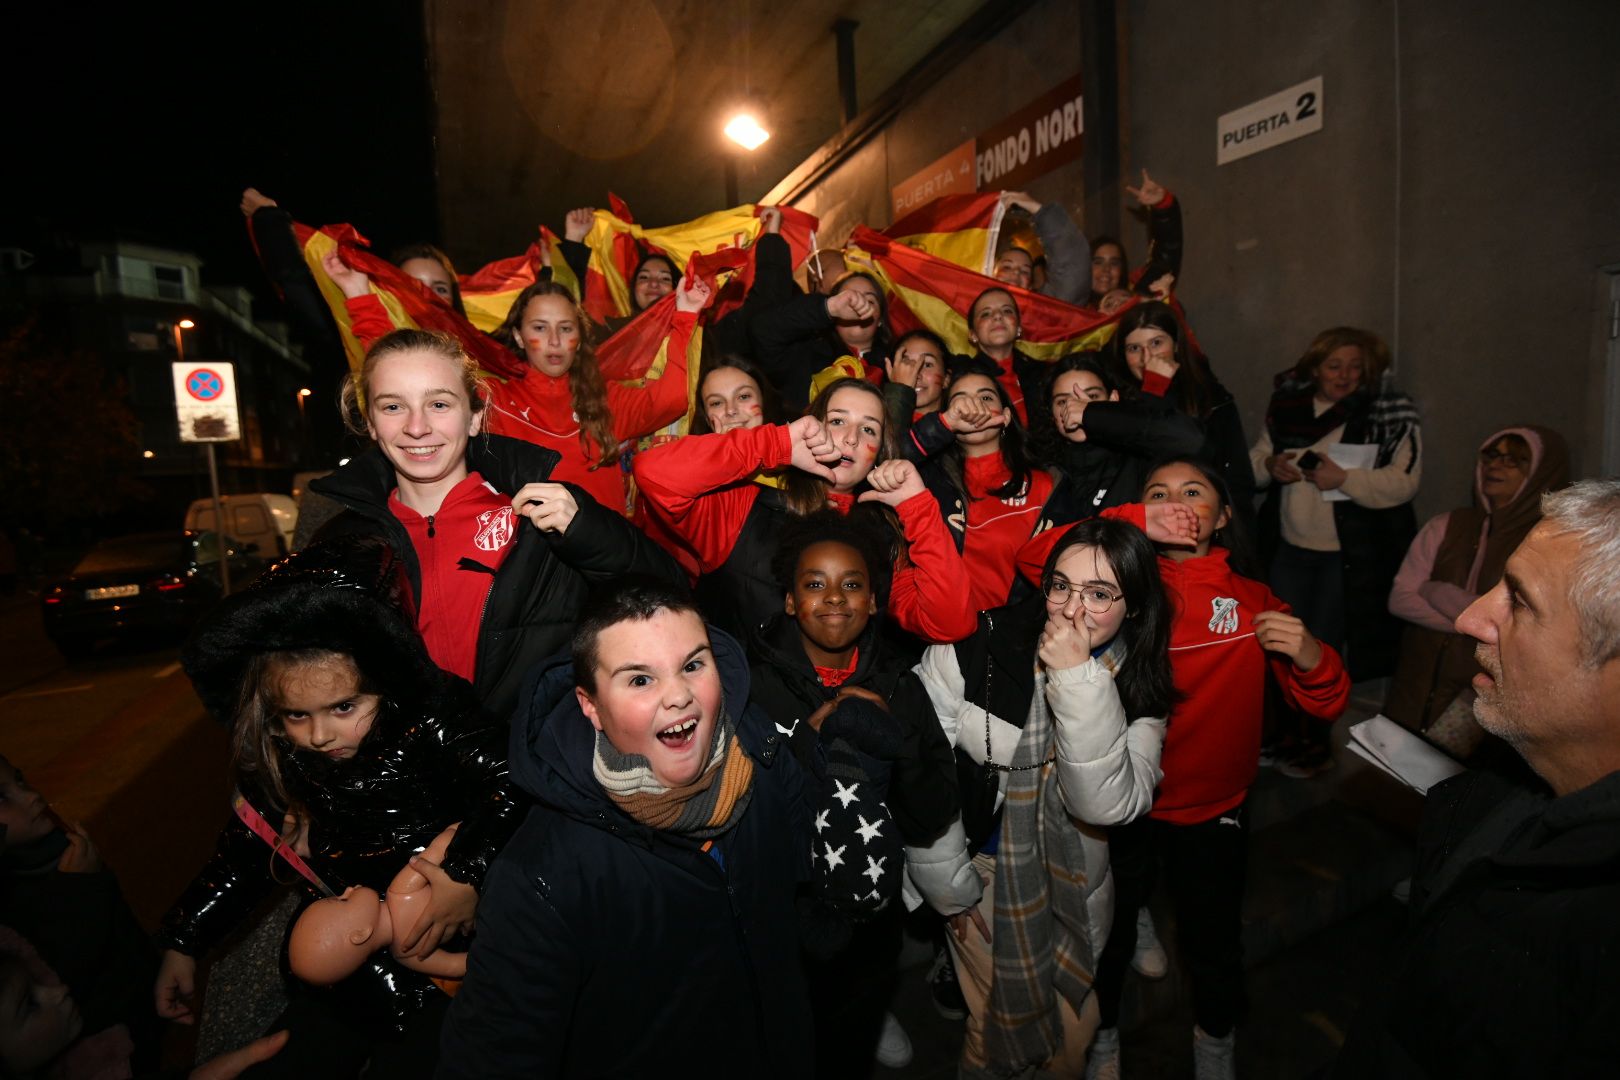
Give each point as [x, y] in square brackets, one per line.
[134, 553]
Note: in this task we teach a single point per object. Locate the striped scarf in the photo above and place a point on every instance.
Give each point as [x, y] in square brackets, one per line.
[1042, 949]
[1387, 416]
[706, 807]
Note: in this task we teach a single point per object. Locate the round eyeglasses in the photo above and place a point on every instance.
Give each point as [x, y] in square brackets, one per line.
[1095, 598]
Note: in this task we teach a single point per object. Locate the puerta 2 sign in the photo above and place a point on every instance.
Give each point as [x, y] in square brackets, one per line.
[1269, 122]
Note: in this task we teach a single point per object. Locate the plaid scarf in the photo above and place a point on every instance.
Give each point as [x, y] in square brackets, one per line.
[706, 807]
[1042, 949]
[1385, 417]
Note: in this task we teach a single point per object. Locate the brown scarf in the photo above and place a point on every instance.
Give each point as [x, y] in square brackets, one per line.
[706, 807]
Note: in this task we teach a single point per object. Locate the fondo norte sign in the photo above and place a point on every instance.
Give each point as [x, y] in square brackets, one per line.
[1269, 122]
[1034, 140]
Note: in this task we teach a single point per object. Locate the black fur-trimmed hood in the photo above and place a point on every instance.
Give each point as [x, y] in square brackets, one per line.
[348, 595]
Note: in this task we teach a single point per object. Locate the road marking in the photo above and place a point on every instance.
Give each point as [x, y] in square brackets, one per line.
[164, 673]
[48, 693]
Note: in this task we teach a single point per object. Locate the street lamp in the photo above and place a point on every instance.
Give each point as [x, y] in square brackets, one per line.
[303, 393]
[746, 131]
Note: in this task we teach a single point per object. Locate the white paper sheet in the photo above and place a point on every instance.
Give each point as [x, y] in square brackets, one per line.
[1417, 764]
[1349, 456]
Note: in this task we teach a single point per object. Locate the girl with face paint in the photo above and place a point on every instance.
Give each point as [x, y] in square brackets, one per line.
[1229, 635]
[856, 714]
[987, 490]
[721, 500]
[1098, 447]
[1151, 359]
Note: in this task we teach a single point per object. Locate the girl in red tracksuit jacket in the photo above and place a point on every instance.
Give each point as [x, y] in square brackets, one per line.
[723, 499]
[1229, 633]
[562, 401]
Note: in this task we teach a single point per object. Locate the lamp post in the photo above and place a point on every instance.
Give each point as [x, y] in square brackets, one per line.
[213, 475]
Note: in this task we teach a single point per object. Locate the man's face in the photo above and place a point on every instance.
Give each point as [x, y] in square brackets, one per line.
[1536, 691]
[657, 693]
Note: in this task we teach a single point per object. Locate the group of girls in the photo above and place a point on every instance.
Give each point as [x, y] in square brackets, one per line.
[922, 504]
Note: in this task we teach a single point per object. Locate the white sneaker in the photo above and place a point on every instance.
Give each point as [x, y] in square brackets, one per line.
[1213, 1059]
[1149, 960]
[1102, 1060]
[894, 1047]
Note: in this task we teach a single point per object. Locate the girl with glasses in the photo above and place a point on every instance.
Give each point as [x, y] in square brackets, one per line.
[1055, 708]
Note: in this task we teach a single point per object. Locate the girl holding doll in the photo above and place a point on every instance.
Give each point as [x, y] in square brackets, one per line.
[350, 752]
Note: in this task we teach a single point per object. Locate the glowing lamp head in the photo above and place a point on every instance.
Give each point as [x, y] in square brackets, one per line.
[305, 392]
[185, 324]
[745, 131]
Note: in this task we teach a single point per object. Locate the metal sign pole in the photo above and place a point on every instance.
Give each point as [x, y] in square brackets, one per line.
[219, 524]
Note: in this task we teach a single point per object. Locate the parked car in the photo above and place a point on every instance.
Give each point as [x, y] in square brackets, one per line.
[255, 517]
[146, 584]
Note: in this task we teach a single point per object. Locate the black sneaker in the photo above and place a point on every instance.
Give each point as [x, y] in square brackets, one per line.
[943, 987]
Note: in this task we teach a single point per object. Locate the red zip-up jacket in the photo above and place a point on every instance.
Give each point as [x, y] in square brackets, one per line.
[1212, 744]
[996, 528]
[474, 524]
[540, 409]
[697, 489]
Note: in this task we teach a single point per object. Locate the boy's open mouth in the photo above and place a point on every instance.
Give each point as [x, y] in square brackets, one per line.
[679, 735]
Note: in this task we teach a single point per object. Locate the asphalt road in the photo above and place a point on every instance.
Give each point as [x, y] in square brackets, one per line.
[119, 743]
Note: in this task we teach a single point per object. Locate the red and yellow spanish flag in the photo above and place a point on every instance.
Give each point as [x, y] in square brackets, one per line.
[929, 291]
[488, 292]
[962, 229]
[617, 242]
[410, 304]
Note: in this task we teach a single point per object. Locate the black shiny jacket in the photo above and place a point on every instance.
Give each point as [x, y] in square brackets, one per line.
[412, 776]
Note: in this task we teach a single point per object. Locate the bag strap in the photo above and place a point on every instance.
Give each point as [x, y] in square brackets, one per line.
[261, 828]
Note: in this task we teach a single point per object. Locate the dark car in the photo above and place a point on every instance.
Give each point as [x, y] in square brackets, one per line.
[148, 584]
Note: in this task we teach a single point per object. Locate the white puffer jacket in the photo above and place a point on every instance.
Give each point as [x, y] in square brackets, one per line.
[1107, 770]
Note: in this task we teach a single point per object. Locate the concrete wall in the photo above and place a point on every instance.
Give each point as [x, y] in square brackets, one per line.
[1459, 199]
[1034, 53]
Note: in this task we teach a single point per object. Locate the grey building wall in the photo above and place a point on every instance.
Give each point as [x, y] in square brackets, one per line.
[1459, 200]
[1035, 52]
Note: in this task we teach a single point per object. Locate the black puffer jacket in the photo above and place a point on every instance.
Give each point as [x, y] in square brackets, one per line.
[541, 586]
[901, 753]
[1123, 439]
[606, 948]
[431, 758]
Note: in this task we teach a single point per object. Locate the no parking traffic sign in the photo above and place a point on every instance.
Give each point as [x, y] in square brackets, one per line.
[205, 398]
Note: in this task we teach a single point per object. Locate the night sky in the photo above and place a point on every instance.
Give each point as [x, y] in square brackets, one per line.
[145, 121]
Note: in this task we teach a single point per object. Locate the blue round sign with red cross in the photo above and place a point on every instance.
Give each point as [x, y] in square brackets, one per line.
[205, 385]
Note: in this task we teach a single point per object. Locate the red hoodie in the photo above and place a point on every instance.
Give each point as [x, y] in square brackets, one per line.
[540, 408]
[474, 524]
[1212, 744]
[997, 527]
[698, 492]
